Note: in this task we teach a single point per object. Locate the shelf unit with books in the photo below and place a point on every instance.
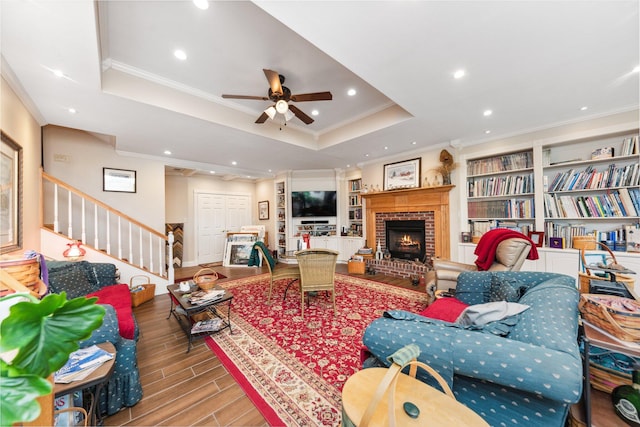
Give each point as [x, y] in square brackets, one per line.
[500, 188]
[281, 217]
[355, 208]
[592, 186]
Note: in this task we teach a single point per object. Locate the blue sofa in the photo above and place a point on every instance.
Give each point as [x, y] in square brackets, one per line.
[82, 278]
[526, 370]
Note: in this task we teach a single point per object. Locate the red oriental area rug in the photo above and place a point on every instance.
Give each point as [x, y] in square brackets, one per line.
[292, 368]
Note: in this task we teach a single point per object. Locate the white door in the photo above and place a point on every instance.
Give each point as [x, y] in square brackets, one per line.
[216, 215]
[211, 227]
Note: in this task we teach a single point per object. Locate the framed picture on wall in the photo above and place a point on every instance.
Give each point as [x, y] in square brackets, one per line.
[263, 209]
[537, 237]
[10, 195]
[405, 174]
[118, 180]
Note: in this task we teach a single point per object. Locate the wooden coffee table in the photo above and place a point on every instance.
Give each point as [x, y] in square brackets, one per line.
[188, 314]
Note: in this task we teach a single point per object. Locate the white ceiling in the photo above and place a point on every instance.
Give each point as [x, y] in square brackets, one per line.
[533, 63]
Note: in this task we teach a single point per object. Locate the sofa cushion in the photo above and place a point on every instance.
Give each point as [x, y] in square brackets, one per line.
[504, 288]
[447, 309]
[119, 297]
[72, 279]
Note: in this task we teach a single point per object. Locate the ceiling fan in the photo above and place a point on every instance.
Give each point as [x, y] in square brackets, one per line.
[282, 97]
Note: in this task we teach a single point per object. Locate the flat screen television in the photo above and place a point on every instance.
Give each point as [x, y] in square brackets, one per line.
[313, 203]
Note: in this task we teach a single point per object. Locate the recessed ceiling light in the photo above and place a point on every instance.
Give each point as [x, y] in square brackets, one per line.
[167, 152]
[348, 166]
[459, 74]
[487, 132]
[269, 170]
[386, 148]
[414, 143]
[212, 172]
[234, 163]
[201, 4]
[636, 69]
[57, 73]
[248, 176]
[315, 112]
[180, 54]
[366, 155]
[351, 92]
[487, 113]
[72, 110]
[584, 108]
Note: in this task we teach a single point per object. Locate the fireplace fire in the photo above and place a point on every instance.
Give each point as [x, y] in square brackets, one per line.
[406, 239]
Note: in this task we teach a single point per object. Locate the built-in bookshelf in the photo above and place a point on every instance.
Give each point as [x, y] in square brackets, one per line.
[500, 189]
[592, 187]
[355, 208]
[281, 217]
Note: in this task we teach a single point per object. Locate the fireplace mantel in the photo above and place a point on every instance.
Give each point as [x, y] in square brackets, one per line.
[434, 199]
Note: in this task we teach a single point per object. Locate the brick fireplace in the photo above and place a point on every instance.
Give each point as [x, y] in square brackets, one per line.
[430, 205]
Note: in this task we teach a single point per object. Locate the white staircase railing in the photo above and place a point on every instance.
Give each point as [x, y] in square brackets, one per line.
[103, 228]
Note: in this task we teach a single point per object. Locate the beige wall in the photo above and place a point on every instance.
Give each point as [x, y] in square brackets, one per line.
[85, 155]
[20, 125]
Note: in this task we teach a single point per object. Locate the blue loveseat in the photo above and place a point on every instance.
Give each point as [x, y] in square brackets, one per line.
[526, 371]
[84, 278]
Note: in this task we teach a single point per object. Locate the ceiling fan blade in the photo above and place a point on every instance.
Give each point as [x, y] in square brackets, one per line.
[274, 81]
[317, 96]
[263, 118]
[299, 114]
[259, 98]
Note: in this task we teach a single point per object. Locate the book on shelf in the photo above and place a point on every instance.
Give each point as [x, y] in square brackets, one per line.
[81, 363]
[208, 325]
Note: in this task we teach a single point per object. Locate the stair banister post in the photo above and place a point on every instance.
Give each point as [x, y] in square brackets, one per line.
[140, 246]
[130, 243]
[56, 222]
[170, 271]
[108, 232]
[95, 226]
[150, 251]
[119, 237]
[70, 218]
[84, 226]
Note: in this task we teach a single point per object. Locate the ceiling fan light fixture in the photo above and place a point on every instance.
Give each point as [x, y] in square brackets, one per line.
[271, 112]
[282, 106]
[288, 115]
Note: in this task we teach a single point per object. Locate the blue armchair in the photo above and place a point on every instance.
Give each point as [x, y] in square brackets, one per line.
[81, 278]
[527, 371]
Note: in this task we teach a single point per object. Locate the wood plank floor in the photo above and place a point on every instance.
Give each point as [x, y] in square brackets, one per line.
[191, 389]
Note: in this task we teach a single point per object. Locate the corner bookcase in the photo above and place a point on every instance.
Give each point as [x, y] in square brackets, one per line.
[281, 217]
[355, 208]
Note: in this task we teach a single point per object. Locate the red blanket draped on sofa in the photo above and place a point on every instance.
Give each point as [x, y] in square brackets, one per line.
[486, 249]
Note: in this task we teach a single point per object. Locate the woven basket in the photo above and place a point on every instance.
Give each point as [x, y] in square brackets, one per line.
[621, 323]
[205, 279]
[24, 272]
[585, 278]
[584, 242]
[138, 296]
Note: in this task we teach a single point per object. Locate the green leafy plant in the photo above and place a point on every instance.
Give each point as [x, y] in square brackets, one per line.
[36, 340]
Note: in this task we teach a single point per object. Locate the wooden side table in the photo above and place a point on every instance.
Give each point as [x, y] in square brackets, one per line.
[95, 381]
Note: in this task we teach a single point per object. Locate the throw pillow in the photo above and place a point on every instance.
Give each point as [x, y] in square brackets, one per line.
[505, 289]
[447, 309]
[71, 280]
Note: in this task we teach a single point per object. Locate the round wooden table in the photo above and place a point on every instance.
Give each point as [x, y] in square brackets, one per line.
[436, 408]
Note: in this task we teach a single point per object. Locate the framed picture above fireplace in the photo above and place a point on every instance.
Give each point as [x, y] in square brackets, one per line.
[404, 174]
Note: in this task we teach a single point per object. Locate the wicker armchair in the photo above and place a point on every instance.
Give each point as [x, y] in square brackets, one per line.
[278, 271]
[317, 272]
